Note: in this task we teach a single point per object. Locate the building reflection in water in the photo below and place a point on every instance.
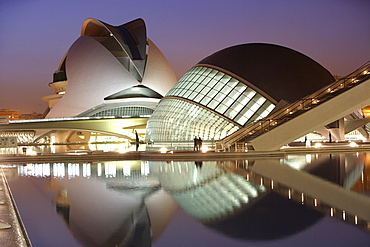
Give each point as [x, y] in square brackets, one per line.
[133, 201]
[351, 171]
[107, 204]
[229, 203]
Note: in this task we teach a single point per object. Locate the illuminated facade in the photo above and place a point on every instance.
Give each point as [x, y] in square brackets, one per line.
[11, 114]
[233, 88]
[110, 72]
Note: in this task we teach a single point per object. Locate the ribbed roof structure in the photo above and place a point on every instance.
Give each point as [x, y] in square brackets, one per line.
[280, 72]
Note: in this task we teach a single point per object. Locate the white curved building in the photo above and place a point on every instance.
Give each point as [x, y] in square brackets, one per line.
[110, 71]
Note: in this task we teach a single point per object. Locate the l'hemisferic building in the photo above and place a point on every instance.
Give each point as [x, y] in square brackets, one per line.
[233, 88]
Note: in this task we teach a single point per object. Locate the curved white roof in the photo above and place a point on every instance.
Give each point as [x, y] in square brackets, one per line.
[106, 60]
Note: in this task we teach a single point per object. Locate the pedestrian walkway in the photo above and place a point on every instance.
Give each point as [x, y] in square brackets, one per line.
[11, 231]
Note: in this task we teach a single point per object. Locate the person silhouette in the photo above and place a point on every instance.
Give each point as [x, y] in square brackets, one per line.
[198, 164]
[196, 143]
[200, 143]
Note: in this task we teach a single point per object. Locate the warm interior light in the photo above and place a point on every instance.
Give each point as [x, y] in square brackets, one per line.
[353, 144]
[163, 150]
[366, 111]
[318, 145]
[204, 149]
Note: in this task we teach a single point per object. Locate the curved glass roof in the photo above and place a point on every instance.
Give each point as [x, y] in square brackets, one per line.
[206, 103]
[223, 94]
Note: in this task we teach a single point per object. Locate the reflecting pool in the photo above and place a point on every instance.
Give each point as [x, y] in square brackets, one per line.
[298, 200]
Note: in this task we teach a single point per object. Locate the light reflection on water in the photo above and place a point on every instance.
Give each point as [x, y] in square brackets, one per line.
[52, 149]
[134, 202]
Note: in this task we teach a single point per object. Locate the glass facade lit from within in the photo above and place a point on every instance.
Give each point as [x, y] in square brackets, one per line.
[206, 103]
[179, 120]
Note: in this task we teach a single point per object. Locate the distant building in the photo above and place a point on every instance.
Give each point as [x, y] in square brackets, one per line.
[33, 115]
[11, 114]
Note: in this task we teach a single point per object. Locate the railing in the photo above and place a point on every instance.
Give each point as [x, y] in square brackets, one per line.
[295, 109]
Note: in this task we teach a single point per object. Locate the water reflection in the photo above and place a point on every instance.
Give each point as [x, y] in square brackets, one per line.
[133, 202]
[106, 204]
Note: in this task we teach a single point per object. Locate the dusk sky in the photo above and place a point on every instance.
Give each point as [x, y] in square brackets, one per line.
[35, 34]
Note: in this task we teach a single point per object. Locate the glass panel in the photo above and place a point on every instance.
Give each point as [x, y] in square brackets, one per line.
[220, 96]
[192, 95]
[240, 87]
[237, 106]
[225, 79]
[218, 86]
[194, 86]
[195, 78]
[261, 101]
[201, 78]
[207, 71]
[212, 83]
[206, 100]
[228, 101]
[230, 113]
[212, 93]
[206, 80]
[232, 84]
[199, 97]
[187, 93]
[226, 90]
[213, 104]
[212, 73]
[243, 99]
[254, 106]
[201, 70]
[218, 76]
[221, 108]
[249, 93]
[205, 90]
[248, 114]
[234, 94]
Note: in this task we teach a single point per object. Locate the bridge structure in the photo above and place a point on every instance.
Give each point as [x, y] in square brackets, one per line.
[304, 116]
[120, 127]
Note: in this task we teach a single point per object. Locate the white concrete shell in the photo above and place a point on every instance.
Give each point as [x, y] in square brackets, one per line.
[159, 74]
[94, 72]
